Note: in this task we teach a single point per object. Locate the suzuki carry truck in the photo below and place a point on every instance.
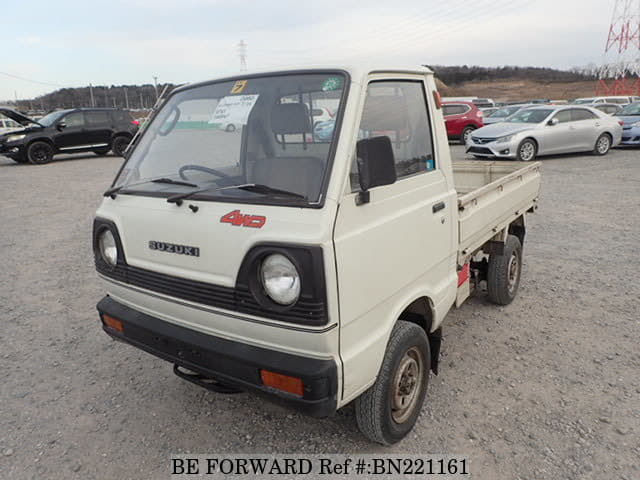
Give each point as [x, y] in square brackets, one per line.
[315, 270]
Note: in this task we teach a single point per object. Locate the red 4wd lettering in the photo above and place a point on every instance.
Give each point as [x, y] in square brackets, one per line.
[241, 220]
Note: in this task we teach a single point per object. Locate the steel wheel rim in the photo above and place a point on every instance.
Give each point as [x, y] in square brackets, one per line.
[407, 384]
[603, 145]
[527, 151]
[513, 272]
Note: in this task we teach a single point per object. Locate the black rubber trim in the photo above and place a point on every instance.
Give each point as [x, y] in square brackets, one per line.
[234, 363]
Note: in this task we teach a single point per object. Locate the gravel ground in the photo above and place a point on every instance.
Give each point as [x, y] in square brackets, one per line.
[546, 388]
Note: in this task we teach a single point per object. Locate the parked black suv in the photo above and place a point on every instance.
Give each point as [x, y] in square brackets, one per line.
[67, 131]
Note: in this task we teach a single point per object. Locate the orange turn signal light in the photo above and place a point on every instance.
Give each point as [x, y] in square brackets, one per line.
[282, 382]
[113, 323]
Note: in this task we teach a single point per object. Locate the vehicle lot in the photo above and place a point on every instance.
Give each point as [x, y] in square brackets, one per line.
[547, 387]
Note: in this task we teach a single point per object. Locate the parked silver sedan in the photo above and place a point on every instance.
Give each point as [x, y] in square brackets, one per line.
[547, 130]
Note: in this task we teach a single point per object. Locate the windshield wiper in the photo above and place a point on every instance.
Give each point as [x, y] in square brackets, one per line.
[112, 191]
[249, 187]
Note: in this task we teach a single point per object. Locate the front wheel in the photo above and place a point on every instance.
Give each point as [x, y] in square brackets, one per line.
[390, 408]
[527, 150]
[503, 275]
[39, 153]
[603, 145]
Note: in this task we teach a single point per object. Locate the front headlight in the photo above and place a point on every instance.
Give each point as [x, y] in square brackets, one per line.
[107, 247]
[505, 139]
[280, 279]
[15, 138]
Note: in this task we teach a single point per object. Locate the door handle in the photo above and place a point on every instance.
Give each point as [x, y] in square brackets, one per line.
[438, 206]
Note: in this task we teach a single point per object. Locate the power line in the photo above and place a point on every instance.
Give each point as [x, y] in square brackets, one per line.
[17, 77]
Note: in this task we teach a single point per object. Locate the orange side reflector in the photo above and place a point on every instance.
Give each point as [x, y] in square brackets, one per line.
[282, 382]
[112, 323]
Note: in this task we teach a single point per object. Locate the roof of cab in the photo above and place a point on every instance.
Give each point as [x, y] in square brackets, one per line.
[357, 72]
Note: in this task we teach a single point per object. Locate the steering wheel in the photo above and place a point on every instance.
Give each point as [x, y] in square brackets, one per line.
[200, 168]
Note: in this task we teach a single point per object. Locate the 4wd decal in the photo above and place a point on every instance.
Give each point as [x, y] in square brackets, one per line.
[241, 220]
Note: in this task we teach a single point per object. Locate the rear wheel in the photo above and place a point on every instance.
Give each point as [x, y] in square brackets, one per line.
[603, 144]
[119, 145]
[390, 408]
[503, 275]
[39, 153]
[527, 150]
[466, 135]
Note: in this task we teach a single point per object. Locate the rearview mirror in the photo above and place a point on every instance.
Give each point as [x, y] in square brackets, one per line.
[376, 165]
[553, 121]
[61, 125]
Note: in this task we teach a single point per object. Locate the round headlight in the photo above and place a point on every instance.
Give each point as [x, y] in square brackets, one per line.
[108, 248]
[280, 279]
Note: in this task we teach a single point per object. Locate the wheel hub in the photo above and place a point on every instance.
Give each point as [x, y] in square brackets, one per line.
[407, 385]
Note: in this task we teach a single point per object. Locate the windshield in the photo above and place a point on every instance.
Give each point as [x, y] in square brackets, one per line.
[632, 109]
[529, 116]
[51, 118]
[504, 112]
[584, 101]
[261, 130]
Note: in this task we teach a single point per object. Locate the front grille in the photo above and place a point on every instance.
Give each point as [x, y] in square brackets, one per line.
[480, 150]
[234, 299]
[482, 141]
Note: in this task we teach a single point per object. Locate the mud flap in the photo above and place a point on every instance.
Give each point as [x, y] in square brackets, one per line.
[435, 339]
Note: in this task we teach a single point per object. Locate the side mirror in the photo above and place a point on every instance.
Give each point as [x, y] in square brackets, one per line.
[376, 165]
[553, 121]
[61, 125]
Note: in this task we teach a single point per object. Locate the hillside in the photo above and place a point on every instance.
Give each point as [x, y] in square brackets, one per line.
[512, 90]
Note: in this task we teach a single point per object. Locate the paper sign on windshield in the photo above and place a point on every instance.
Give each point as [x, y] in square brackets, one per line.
[234, 109]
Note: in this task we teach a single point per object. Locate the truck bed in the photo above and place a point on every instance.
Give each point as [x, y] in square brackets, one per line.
[490, 196]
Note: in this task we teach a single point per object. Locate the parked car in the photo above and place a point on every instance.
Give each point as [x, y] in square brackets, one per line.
[620, 99]
[489, 110]
[608, 108]
[630, 116]
[461, 118]
[547, 130]
[503, 113]
[76, 130]
[7, 125]
[228, 266]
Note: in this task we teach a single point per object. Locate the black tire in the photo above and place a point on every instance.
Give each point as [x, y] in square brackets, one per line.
[375, 414]
[502, 280]
[119, 145]
[527, 150]
[230, 128]
[39, 153]
[102, 151]
[466, 132]
[603, 145]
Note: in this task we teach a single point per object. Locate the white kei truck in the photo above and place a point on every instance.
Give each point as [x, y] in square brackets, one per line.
[310, 263]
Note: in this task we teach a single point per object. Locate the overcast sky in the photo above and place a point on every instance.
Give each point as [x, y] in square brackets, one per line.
[75, 42]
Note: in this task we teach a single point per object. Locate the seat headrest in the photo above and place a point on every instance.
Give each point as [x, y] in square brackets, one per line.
[287, 118]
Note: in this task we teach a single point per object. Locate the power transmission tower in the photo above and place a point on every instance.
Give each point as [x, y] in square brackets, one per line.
[620, 70]
[242, 53]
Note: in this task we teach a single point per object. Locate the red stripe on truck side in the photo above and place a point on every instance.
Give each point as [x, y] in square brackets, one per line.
[463, 275]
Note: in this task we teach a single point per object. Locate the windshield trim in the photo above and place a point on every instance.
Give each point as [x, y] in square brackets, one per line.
[263, 200]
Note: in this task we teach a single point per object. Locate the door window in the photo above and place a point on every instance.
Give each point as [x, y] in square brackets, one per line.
[580, 114]
[398, 110]
[74, 119]
[563, 116]
[96, 119]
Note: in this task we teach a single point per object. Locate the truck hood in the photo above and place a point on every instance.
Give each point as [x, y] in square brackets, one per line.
[221, 246]
[501, 129]
[17, 116]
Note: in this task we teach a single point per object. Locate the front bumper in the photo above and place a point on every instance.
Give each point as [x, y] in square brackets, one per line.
[234, 363]
[631, 136]
[492, 149]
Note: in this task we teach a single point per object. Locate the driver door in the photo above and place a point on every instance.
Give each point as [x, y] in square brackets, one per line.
[72, 136]
[558, 138]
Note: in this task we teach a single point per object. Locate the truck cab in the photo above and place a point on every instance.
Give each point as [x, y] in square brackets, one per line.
[315, 270]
